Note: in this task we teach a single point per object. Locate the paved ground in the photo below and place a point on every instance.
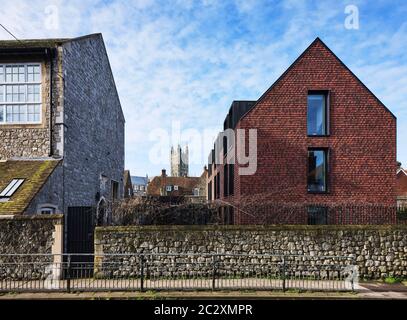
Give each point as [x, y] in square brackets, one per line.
[364, 291]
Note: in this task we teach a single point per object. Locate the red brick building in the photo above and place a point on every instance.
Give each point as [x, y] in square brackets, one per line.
[323, 138]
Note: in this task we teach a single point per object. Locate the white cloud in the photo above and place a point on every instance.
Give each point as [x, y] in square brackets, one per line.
[188, 60]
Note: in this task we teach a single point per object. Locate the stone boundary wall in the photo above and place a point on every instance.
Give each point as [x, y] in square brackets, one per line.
[379, 251]
[36, 234]
[39, 239]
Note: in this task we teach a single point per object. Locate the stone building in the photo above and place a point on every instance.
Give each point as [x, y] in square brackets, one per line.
[179, 162]
[323, 139]
[60, 113]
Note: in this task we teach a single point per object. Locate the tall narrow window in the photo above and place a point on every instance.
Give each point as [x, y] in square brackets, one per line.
[317, 170]
[317, 114]
[115, 190]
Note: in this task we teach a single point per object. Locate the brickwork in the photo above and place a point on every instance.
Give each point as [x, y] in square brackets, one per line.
[362, 140]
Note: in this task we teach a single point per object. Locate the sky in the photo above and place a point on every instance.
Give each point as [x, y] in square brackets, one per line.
[178, 65]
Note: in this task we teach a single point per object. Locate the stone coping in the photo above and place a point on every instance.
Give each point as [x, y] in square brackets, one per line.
[203, 228]
[33, 217]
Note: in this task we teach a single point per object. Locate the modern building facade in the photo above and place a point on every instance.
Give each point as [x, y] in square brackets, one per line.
[323, 138]
[60, 111]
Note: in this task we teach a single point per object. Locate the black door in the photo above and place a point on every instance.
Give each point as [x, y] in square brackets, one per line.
[80, 246]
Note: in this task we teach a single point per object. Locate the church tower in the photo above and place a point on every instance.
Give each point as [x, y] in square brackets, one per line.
[179, 162]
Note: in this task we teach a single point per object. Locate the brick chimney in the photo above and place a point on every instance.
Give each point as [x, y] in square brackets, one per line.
[163, 182]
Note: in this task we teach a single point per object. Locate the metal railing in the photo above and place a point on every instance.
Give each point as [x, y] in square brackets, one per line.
[154, 271]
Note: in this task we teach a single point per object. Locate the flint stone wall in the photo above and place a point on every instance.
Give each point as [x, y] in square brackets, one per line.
[378, 251]
[39, 235]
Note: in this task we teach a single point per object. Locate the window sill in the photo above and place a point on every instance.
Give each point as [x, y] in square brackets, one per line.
[318, 135]
[317, 192]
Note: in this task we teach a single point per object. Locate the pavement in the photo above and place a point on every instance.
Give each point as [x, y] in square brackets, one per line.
[369, 290]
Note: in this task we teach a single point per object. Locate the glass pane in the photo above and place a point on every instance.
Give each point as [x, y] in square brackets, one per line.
[33, 113]
[1, 93]
[9, 93]
[33, 73]
[1, 73]
[23, 113]
[316, 171]
[1, 113]
[33, 93]
[316, 115]
[37, 74]
[21, 74]
[9, 114]
[8, 74]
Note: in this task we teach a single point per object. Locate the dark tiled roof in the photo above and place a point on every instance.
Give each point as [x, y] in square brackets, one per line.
[34, 173]
[139, 180]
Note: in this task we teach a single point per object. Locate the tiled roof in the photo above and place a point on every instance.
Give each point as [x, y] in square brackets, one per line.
[35, 173]
[185, 184]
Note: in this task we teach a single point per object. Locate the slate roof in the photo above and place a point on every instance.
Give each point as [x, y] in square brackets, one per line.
[139, 180]
[40, 43]
[35, 173]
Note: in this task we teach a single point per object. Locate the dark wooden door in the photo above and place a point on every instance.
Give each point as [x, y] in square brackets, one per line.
[80, 240]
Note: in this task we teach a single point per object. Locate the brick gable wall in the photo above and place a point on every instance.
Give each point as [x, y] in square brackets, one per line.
[362, 139]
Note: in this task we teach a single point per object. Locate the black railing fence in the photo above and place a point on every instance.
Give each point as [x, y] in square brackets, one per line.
[140, 272]
[256, 212]
[329, 214]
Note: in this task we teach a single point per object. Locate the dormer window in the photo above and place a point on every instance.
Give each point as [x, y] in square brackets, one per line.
[20, 93]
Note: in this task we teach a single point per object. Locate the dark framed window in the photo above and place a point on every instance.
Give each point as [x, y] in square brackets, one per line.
[317, 179]
[225, 180]
[231, 179]
[115, 190]
[217, 186]
[317, 113]
[317, 215]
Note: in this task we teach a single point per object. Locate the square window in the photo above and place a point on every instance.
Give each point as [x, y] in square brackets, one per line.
[317, 114]
[317, 170]
[175, 187]
[22, 84]
[168, 188]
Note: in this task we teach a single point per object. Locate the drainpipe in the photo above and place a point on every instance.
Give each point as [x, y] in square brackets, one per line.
[51, 130]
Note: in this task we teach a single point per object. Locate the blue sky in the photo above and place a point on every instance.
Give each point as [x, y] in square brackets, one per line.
[185, 61]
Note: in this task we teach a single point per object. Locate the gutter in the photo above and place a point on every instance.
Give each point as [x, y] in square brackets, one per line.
[51, 130]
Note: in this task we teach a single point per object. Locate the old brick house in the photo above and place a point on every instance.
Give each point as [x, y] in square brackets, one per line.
[60, 111]
[193, 188]
[323, 138]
